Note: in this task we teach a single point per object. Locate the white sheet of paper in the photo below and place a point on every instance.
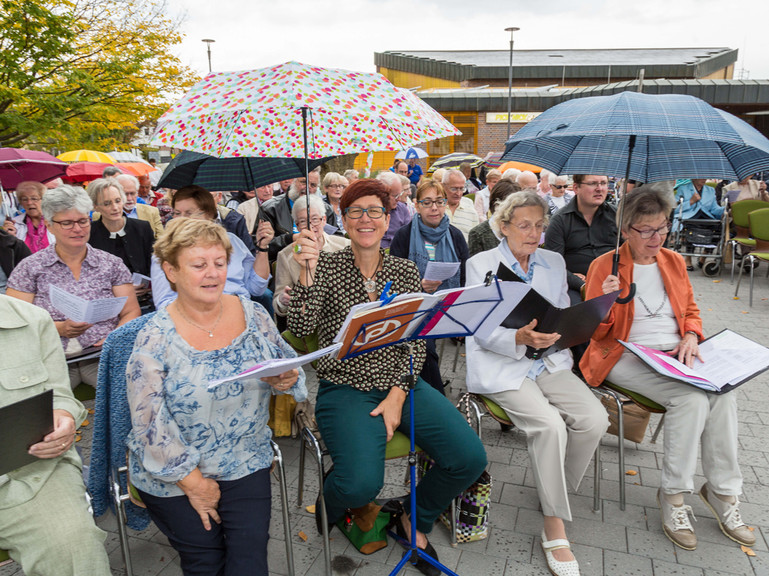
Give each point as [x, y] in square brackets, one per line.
[81, 310]
[140, 280]
[275, 366]
[441, 270]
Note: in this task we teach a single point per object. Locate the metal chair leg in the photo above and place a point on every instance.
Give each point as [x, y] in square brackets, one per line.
[453, 518]
[658, 429]
[309, 441]
[284, 506]
[597, 479]
[620, 446]
[460, 343]
[750, 262]
[119, 500]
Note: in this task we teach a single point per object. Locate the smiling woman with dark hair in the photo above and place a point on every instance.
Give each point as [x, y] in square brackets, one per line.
[361, 400]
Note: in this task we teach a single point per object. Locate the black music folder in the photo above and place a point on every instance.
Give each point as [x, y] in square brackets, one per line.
[23, 424]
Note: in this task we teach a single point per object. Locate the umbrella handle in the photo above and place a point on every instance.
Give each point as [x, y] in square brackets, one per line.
[629, 297]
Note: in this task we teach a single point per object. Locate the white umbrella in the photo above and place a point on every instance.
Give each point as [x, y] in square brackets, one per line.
[410, 153]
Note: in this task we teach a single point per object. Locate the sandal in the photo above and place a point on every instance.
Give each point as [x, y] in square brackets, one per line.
[556, 567]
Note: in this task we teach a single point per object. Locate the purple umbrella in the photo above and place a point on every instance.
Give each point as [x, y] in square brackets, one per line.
[18, 165]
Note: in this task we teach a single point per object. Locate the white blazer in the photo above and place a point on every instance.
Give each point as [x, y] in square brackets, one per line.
[496, 364]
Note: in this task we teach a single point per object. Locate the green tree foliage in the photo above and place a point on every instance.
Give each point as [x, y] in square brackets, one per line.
[85, 73]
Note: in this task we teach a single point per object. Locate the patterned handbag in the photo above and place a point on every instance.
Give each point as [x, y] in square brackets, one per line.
[472, 506]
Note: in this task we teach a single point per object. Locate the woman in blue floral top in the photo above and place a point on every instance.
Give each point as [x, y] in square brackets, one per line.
[201, 457]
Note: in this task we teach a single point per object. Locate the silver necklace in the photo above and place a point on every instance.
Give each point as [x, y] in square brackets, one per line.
[656, 313]
[369, 284]
[198, 326]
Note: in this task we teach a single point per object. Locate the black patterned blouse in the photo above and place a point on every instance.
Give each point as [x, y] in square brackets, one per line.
[337, 287]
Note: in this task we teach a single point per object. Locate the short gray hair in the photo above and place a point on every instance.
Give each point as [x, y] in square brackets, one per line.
[65, 198]
[331, 178]
[493, 173]
[130, 178]
[511, 174]
[351, 172]
[403, 179]
[389, 178]
[300, 206]
[98, 187]
[30, 186]
[504, 212]
[111, 172]
[452, 172]
[643, 201]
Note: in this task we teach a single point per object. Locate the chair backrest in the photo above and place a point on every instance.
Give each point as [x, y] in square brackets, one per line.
[741, 209]
[112, 420]
[759, 227]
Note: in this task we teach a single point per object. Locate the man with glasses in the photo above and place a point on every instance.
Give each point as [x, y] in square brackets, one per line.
[460, 210]
[399, 212]
[583, 229]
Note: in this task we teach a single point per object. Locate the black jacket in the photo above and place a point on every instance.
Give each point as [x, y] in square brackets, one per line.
[12, 251]
[400, 246]
[569, 234]
[135, 248]
[235, 223]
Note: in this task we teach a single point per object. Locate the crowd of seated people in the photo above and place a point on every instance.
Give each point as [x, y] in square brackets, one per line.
[225, 272]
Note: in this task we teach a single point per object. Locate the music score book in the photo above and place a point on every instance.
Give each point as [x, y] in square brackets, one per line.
[23, 424]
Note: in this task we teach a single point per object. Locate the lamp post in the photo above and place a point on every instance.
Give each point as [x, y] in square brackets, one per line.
[512, 30]
[208, 42]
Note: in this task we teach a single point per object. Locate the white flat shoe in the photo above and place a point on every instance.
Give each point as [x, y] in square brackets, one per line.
[556, 567]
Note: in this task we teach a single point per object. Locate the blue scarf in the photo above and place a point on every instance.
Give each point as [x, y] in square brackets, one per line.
[440, 237]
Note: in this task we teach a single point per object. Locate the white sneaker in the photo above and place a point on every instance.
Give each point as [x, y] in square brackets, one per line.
[728, 516]
[675, 523]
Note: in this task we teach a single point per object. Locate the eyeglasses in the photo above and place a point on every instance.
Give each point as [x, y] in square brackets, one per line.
[25, 199]
[194, 215]
[457, 189]
[374, 212]
[594, 184]
[558, 186]
[108, 203]
[314, 221]
[649, 232]
[528, 226]
[335, 186]
[427, 202]
[70, 224]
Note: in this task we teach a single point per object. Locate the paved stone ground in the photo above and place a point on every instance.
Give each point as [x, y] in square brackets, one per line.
[609, 542]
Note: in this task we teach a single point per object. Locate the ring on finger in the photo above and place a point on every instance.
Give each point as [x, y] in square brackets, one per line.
[298, 248]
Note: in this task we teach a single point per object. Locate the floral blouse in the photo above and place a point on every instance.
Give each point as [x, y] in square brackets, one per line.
[338, 286]
[178, 424]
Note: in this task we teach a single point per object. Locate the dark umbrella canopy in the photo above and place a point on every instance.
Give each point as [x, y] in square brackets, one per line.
[18, 165]
[674, 136]
[454, 160]
[229, 174]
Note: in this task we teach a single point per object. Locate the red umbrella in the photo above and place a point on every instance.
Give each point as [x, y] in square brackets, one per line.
[18, 165]
[88, 171]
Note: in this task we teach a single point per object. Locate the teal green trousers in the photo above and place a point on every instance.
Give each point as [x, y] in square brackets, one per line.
[356, 442]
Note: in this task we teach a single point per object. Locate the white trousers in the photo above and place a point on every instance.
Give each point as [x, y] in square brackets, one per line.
[563, 422]
[692, 416]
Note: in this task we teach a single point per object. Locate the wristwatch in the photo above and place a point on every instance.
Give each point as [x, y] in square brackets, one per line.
[693, 333]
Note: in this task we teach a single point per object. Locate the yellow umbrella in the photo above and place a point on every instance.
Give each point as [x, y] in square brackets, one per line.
[86, 156]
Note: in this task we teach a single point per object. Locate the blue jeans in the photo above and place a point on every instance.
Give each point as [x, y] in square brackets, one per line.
[236, 546]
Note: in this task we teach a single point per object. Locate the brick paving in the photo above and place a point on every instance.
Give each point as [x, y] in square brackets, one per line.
[610, 542]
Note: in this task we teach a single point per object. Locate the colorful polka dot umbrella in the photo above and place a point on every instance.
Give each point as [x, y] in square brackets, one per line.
[260, 113]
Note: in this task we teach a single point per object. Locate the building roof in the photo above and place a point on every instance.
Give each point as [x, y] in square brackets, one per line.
[747, 94]
[461, 65]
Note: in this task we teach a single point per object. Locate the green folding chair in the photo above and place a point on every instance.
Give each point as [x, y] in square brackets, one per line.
[758, 226]
[741, 222]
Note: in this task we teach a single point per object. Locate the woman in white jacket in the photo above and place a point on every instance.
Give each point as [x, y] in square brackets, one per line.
[561, 417]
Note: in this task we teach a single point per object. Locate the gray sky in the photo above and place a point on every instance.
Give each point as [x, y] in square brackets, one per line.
[346, 33]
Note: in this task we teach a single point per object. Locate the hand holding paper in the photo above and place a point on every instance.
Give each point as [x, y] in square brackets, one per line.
[81, 310]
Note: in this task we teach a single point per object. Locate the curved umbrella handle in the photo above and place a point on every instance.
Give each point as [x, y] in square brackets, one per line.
[629, 297]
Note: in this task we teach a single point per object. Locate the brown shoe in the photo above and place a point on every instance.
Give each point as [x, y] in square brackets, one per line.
[728, 516]
[675, 523]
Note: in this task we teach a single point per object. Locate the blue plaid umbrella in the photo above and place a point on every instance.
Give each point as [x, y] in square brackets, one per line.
[227, 174]
[663, 137]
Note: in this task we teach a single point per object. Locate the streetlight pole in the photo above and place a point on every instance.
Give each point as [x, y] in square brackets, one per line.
[512, 30]
[208, 42]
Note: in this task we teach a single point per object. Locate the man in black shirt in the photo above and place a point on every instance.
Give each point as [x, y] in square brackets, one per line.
[583, 229]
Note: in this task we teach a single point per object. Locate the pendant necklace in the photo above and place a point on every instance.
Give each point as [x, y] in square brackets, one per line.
[656, 313]
[199, 327]
[369, 284]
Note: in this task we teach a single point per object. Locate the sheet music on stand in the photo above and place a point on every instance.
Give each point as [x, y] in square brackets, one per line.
[477, 309]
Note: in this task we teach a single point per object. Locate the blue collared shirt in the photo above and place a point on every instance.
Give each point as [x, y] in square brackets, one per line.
[527, 277]
[132, 213]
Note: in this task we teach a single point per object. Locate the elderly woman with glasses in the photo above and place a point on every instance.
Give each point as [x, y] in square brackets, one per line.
[30, 224]
[74, 266]
[664, 315]
[562, 419]
[333, 186]
[429, 237]
[361, 401]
